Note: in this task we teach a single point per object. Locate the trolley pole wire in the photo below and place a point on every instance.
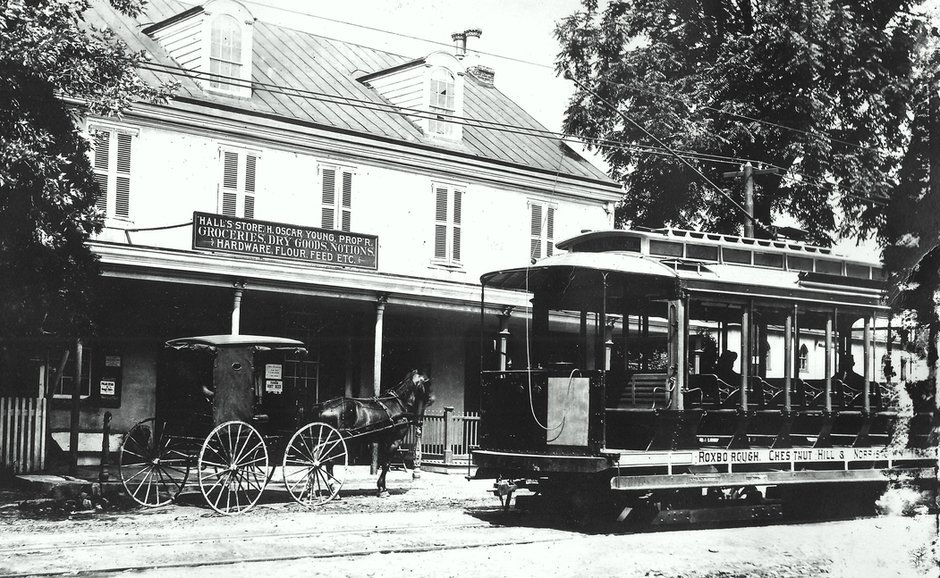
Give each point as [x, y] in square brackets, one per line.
[751, 218]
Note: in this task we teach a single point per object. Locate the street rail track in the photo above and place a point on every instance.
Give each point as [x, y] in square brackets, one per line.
[163, 553]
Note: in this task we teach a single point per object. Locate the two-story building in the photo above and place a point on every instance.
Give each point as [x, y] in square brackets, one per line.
[314, 188]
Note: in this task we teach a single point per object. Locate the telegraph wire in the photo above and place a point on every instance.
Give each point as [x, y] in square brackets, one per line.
[340, 100]
[814, 134]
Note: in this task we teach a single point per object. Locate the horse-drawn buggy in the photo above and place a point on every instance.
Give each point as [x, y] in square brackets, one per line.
[229, 416]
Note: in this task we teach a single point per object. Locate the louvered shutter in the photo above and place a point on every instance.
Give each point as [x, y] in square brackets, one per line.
[122, 188]
[347, 201]
[251, 163]
[535, 246]
[329, 198]
[550, 232]
[102, 162]
[458, 200]
[229, 183]
[440, 223]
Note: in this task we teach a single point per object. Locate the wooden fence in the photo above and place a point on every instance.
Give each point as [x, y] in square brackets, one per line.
[22, 434]
[447, 437]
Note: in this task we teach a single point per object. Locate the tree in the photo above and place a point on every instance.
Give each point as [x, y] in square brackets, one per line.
[818, 88]
[54, 67]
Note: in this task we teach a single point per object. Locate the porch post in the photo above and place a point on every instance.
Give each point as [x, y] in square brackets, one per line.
[75, 414]
[237, 307]
[377, 366]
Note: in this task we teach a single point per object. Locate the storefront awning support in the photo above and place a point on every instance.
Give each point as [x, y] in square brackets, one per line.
[237, 306]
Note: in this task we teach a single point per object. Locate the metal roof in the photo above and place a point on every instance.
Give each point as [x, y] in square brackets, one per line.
[612, 262]
[314, 64]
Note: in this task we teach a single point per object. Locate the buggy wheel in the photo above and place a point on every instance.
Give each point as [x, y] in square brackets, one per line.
[153, 465]
[315, 464]
[233, 465]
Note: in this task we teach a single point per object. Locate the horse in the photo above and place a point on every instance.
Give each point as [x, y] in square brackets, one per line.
[384, 420]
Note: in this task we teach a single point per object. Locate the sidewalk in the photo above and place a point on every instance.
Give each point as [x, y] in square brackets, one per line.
[57, 485]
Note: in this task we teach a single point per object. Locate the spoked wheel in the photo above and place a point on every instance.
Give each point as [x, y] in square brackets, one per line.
[233, 465]
[153, 465]
[315, 464]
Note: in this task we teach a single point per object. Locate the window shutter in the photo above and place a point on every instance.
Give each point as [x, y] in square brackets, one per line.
[347, 201]
[102, 159]
[251, 163]
[329, 198]
[535, 246]
[440, 225]
[230, 170]
[122, 200]
[550, 232]
[458, 201]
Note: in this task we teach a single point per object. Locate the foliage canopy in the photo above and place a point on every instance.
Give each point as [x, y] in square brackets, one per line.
[820, 89]
[54, 68]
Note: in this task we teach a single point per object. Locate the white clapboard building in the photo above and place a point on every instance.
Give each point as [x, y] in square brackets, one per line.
[308, 187]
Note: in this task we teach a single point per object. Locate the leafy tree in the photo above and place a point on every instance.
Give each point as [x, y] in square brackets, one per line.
[54, 67]
[819, 88]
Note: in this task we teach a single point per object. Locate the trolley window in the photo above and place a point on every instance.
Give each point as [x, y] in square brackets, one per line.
[795, 263]
[741, 256]
[706, 252]
[858, 271]
[774, 260]
[665, 248]
[832, 267]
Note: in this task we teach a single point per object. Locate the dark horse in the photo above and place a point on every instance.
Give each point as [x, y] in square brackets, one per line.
[384, 420]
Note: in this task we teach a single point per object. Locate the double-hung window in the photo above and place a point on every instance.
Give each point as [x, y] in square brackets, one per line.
[442, 101]
[225, 54]
[542, 230]
[448, 202]
[336, 185]
[111, 158]
[237, 187]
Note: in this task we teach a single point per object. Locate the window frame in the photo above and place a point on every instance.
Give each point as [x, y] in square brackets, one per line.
[451, 224]
[338, 206]
[241, 192]
[438, 127]
[109, 202]
[68, 374]
[546, 235]
[803, 359]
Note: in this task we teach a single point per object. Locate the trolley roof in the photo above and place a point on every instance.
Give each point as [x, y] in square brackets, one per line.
[214, 342]
[721, 265]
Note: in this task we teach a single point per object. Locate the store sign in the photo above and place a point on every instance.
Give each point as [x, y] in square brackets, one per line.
[282, 241]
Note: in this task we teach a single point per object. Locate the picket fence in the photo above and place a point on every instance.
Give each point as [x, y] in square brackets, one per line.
[22, 434]
[447, 437]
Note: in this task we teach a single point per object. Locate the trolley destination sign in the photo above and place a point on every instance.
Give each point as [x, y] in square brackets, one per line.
[773, 455]
[250, 237]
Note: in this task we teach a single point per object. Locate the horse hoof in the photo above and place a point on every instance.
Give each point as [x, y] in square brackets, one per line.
[384, 494]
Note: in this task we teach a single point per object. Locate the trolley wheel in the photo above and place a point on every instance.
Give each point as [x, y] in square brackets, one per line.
[315, 464]
[153, 465]
[233, 465]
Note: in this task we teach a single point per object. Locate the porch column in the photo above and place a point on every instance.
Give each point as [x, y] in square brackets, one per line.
[76, 406]
[377, 366]
[237, 306]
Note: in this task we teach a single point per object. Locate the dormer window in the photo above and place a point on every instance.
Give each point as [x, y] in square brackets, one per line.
[442, 101]
[225, 55]
[214, 40]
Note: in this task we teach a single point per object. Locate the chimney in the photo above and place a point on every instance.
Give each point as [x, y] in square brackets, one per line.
[460, 44]
[471, 33]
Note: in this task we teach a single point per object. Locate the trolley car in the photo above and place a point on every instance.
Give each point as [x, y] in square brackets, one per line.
[229, 416]
[657, 362]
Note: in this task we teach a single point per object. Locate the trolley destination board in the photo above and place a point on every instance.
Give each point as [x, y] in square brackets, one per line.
[255, 238]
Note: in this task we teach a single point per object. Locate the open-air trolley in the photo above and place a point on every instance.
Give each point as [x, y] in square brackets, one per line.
[673, 363]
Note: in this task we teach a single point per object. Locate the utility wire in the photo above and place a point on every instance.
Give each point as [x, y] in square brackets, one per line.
[814, 134]
[642, 148]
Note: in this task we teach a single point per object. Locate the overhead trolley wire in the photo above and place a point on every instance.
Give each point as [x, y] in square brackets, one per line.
[642, 148]
[815, 134]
